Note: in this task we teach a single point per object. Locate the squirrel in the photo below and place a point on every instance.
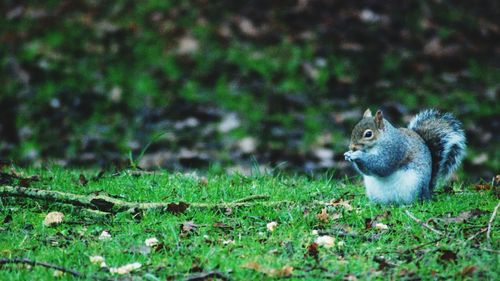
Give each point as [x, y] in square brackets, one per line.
[401, 165]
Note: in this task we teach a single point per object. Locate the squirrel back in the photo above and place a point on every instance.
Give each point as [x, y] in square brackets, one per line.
[445, 138]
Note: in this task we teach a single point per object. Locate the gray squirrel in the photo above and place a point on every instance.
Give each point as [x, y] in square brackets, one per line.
[401, 165]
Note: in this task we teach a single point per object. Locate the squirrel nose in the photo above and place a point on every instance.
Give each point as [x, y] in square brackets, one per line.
[352, 147]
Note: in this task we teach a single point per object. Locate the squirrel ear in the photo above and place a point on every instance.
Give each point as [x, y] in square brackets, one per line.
[368, 113]
[379, 119]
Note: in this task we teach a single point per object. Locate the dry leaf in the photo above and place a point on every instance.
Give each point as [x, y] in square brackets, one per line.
[323, 216]
[221, 225]
[381, 226]
[312, 251]
[252, 265]
[463, 216]
[105, 236]
[468, 270]
[343, 203]
[177, 208]
[126, 269]
[188, 45]
[188, 226]
[285, 271]
[57, 273]
[98, 260]
[150, 242]
[447, 255]
[485, 186]
[141, 249]
[83, 180]
[272, 226]
[325, 241]
[53, 218]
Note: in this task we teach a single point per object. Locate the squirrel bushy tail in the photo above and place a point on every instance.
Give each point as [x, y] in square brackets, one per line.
[445, 138]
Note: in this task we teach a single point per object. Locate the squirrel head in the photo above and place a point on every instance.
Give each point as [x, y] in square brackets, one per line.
[367, 132]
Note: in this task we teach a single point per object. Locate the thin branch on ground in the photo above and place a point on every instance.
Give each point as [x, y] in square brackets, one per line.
[477, 246]
[210, 275]
[252, 198]
[422, 223]
[39, 263]
[490, 223]
[483, 230]
[107, 204]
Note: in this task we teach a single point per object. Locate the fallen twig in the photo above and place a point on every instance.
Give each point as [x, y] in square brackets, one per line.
[424, 224]
[252, 198]
[107, 204]
[39, 263]
[206, 275]
[490, 223]
[483, 230]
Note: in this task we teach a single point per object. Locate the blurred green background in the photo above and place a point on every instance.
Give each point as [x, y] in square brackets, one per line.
[239, 84]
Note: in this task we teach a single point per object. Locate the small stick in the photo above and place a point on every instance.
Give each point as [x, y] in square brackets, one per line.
[40, 263]
[252, 198]
[423, 223]
[207, 276]
[492, 218]
[483, 230]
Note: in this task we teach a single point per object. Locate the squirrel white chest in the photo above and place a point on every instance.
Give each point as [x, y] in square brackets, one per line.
[400, 187]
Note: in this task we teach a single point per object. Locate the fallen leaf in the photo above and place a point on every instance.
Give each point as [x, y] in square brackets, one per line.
[188, 45]
[57, 273]
[141, 249]
[463, 216]
[53, 218]
[7, 219]
[312, 251]
[485, 186]
[25, 182]
[343, 203]
[382, 262]
[150, 242]
[247, 27]
[406, 273]
[325, 241]
[177, 208]
[350, 277]
[468, 270]
[203, 181]
[221, 225]
[323, 216]
[272, 226]
[83, 180]
[284, 271]
[126, 269]
[381, 226]
[104, 236]
[251, 265]
[189, 226]
[447, 255]
[99, 260]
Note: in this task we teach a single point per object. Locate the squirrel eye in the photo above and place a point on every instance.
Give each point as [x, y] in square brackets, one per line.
[368, 134]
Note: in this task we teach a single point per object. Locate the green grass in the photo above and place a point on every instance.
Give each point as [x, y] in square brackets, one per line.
[412, 250]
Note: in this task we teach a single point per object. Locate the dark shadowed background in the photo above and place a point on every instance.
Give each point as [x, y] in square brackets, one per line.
[234, 85]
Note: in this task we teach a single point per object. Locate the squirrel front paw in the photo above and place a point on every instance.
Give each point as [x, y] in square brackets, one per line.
[352, 155]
